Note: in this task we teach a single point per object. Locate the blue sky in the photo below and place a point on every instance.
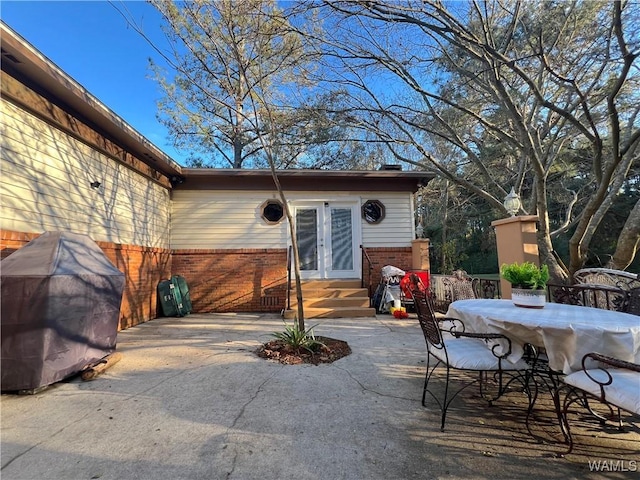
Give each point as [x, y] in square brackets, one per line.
[92, 43]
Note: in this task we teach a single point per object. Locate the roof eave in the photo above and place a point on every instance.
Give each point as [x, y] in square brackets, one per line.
[303, 180]
[23, 60]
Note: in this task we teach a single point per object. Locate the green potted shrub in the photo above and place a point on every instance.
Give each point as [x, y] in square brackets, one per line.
[528, 283]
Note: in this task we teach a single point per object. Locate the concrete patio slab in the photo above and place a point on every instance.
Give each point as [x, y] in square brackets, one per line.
[190, 400]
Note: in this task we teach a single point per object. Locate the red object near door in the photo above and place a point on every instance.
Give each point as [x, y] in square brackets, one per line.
[406, 280]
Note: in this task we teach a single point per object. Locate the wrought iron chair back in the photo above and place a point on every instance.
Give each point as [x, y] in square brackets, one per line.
[426, 316]
[610, 381]
[607, 276]
[460, 288]
[445, 289]
[485, 288]
[633, 305]
[596, 296]
[480, 353]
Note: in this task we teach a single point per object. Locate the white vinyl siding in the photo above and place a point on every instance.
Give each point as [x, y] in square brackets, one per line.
[223, 219]
[396, 230]
[216, 219]
[46, 177]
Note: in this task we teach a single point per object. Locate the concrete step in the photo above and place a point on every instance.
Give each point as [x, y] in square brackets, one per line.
[340, 312]
[314, 292]
[336, 283]
[332, 302]
[332, 299]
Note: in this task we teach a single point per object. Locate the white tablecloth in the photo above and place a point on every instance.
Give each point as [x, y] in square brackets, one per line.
[567, 332]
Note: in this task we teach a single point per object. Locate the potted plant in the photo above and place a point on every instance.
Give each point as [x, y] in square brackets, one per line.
[528, 283]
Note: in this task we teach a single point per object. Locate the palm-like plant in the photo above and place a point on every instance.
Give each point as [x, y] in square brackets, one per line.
[298, 338]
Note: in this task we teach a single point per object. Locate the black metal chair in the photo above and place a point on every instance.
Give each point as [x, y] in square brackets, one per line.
[610, 381]
[448, 344]
[607, 276]
[596, 296]
[459, 286]
[633, 305]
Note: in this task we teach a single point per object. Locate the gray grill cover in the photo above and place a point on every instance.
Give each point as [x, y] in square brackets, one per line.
[60, 309]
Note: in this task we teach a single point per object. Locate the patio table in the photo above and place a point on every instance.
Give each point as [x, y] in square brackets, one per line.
[566, 332]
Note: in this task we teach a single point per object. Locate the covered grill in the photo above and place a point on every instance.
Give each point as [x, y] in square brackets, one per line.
[60, 309]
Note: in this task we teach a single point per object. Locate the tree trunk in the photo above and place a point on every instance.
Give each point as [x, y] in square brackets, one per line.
[578, 243]
[294, 245]
[556, 272]
[445, 204]
[628, 241]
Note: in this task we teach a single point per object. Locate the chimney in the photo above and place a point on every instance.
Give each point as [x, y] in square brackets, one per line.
[391, 167]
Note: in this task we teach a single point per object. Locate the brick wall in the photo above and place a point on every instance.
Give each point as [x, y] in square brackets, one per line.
[143, 268]
[238, 280]
[12, 241]
[400, 257]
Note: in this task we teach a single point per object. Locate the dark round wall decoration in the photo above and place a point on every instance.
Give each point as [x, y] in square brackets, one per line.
[272, 211]
[373, 211]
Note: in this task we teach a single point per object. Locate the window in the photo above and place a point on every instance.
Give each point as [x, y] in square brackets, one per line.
[373, 211]
[272, 211]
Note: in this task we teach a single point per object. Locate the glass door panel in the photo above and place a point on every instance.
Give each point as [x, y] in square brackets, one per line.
[341, 239]
[307, 237]
[327, 240]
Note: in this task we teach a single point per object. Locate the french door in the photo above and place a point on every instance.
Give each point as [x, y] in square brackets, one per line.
[328, 236]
